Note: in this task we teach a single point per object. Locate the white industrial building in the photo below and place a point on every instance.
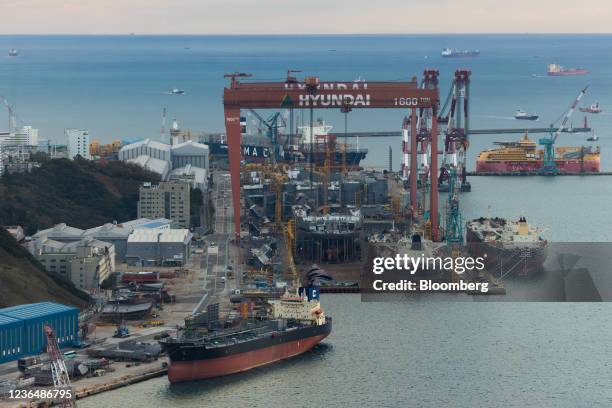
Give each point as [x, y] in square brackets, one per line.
[190, 152]
[154, 155]
[113, 233]
[147, 147]
[159, 247]
[78, 143]
[195, 176]
[158, 166]
[86, 262]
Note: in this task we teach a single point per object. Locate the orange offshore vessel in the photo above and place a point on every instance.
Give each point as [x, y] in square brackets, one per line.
[524, 157]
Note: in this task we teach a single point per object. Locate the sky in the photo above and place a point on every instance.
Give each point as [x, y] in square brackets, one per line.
[304, 17]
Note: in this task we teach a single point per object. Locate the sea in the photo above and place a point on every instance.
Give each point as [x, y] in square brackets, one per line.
[388, 354]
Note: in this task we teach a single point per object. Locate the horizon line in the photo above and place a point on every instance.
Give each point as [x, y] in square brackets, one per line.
[144, 34]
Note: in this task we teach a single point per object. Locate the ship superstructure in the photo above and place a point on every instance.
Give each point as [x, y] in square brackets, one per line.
[510, 246]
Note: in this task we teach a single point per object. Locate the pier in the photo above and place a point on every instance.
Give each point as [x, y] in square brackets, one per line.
[397, 133]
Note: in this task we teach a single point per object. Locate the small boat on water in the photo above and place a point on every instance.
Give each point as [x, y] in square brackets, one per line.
[522, 115]
[593, 138]
[594, 108]
[13, 52]
[177, 91]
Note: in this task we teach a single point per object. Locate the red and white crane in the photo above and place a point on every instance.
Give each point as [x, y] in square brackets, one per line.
[61, 380]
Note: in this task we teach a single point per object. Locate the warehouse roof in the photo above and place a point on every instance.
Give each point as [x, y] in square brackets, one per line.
[108, 230]
[197, 174]
[154, 235]
[6, 320]
[147, 143]
[158, 166]
[189, 148]
[32, 310]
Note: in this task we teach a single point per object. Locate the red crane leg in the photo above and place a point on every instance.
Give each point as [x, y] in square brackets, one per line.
[413, 162]
[232, 129]
[433, 194]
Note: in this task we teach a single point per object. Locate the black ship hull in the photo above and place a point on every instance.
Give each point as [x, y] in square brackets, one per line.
[192, 361]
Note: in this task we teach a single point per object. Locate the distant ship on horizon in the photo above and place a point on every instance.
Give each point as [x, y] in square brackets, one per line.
[455, 53]
[13, 52]
[559, 70]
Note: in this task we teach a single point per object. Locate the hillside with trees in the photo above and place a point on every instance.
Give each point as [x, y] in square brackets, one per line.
[80, 193]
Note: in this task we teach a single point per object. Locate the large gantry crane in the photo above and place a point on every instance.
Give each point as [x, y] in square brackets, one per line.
[456, 115]
[313, 93]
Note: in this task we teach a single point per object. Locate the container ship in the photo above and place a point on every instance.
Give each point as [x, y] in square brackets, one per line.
[524, 157]
[294, 324]
[449, 53]
[511, 247]
[558, 70]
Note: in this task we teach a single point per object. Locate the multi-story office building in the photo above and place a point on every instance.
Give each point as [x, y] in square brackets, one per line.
[168, 199]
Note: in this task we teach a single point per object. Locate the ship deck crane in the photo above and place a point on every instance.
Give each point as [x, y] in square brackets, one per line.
[549, 165]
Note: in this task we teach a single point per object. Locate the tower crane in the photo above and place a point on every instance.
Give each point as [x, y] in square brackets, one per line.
[549, 165]
[12, 118]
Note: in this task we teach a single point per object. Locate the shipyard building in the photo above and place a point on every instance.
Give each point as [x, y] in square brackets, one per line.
[162, 158]
[148, 247]
[113, 233]
[86, 263]
[22, 328]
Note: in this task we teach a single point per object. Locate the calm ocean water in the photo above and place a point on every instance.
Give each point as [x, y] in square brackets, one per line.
[394, 354]
[420, 355]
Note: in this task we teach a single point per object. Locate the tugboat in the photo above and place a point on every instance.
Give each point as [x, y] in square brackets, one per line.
[594, 108]
[13, 52]
[592, 138]
[522, 115]
[509, 247]
[294, 324]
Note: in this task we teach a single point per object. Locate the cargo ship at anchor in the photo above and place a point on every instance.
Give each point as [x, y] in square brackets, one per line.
[523, 156]
[509, 247]
[295, 324]
[449, 53]
[558, 70]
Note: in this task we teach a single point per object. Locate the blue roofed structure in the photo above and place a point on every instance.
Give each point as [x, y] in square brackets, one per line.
[22, 328]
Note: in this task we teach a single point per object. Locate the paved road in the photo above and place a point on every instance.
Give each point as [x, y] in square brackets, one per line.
[219, 251]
